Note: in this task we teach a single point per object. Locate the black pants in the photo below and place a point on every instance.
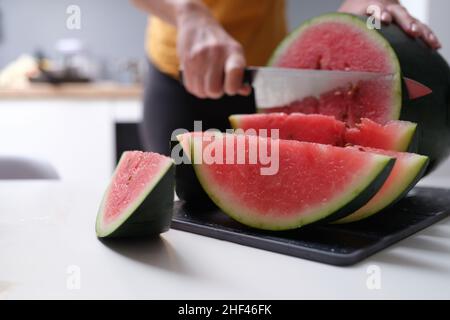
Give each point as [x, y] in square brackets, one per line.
[168, 106]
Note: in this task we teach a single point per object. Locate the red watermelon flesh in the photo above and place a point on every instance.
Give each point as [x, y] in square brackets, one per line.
[407, 171]
[395, 135]
[136, 170]
[341, 42]
[296, 126]
[313, 181]
[142, 183]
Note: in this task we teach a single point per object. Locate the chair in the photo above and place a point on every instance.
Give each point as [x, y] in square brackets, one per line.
[12, 168]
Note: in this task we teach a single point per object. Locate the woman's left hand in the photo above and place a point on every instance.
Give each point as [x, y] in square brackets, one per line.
[393, 11]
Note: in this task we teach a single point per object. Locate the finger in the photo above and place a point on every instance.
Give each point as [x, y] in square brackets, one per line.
[188, 81]
[214, 79]
[429, 37]
[386, 17]
[234, 73]
[375, 10]
[404, 20]
[194, 82]
[195, 72]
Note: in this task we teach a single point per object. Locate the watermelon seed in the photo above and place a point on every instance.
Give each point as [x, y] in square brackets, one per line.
[353, 90]
[319, 63]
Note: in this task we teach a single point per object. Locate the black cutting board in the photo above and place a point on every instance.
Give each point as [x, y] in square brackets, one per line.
[332, 244]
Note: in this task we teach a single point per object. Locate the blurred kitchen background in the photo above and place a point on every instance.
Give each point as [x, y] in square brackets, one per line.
[79, 128]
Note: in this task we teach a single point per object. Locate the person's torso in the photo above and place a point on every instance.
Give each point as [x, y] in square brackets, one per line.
[259, 25]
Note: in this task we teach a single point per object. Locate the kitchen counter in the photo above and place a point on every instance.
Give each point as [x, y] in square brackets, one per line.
[48, 249]
[81, 91]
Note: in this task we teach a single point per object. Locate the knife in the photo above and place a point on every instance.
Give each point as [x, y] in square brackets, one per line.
[281, 86]
[275, 86]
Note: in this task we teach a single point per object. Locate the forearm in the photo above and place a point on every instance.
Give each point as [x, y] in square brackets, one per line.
[172, 11]
[212, 61]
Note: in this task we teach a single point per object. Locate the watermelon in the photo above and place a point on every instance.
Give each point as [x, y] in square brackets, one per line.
[340, 41]
[312, 182]
[394, 135]
[139, 198]
[407, 171]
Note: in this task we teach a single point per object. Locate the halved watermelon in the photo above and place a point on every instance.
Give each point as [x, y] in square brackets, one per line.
[340, 41]
[139, 198]
[343, 42]
[394, 135]
[407, 171]
[313, 181]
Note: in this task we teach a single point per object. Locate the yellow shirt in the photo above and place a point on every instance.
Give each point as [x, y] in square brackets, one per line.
[259, 25]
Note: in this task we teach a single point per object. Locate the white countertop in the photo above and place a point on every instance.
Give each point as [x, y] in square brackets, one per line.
[48, 243]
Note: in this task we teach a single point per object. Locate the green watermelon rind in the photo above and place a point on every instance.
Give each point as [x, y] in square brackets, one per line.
[405, 143]
[149, 214]
[235, 120]
[402, 188]
[357, 22]
[362, 192]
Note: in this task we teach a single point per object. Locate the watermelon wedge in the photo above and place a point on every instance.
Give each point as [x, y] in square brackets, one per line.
[407, 171]
[313, 181]
[339, 41]
[295, 126]
[394, 135]
[139, 198]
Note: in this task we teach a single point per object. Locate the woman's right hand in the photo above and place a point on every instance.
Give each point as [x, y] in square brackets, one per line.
[212, 61]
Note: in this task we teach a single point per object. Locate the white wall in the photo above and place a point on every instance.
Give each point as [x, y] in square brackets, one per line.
[112, 30]
[301, 10]
[439, 21]
[418, 8]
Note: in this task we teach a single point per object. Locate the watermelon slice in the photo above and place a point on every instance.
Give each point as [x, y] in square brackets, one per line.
[313, 181]
[395, 135]
[407, 171]
[139, 198]
[340, 41]
[295, 126]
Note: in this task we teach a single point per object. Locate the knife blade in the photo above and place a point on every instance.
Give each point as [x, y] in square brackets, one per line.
[282, 86]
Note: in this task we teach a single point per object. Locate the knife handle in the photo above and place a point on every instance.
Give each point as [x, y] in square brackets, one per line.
[247, 78]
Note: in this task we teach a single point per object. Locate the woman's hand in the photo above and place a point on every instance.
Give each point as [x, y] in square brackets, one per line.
[393, 11]
[212, 61]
